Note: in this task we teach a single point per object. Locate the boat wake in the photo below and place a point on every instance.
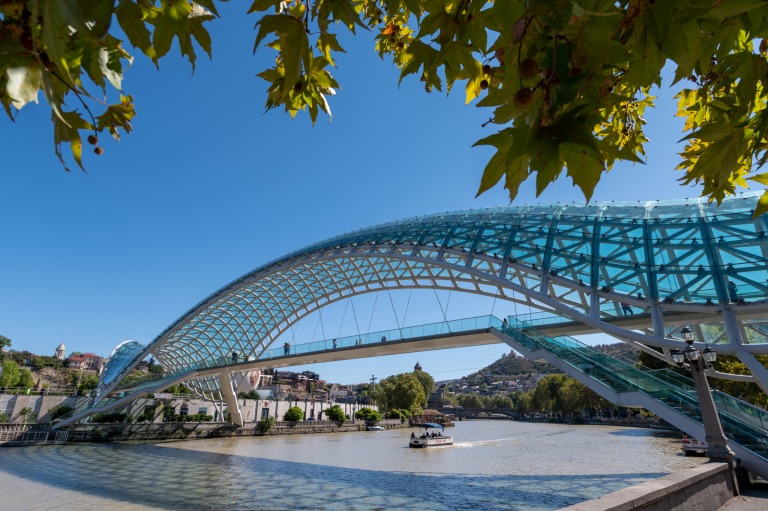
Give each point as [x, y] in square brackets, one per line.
[479, 443]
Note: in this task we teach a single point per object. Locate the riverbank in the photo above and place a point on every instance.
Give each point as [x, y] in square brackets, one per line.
[41, 434]
[38, 434]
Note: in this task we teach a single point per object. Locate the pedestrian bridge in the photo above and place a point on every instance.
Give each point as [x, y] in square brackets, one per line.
[635, 271]
[667, 394]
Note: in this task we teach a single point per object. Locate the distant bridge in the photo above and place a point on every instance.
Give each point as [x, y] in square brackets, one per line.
[476, 413]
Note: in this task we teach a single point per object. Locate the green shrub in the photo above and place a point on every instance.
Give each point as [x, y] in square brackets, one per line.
[147, 415]
[294, 414]
[111, 417]
[58, 411]
[266, 424]
[335, 413]
[199, 417]
[403, 414]
[368, 415]
[3, 418]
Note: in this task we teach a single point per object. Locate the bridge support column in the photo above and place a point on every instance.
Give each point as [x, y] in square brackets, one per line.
[228, 392]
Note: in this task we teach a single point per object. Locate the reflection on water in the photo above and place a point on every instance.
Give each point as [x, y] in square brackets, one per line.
[494, 465]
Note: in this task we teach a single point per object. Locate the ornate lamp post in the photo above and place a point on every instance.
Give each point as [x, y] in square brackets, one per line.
[698, 362]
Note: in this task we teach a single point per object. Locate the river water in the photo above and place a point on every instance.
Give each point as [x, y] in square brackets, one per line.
[494, 465]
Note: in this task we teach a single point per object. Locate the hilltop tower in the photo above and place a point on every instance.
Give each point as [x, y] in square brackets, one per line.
[60, 351]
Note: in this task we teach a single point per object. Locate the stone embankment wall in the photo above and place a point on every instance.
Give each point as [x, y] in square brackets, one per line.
[704, 488]
[251, 409]
[17, 434]
[193, 430]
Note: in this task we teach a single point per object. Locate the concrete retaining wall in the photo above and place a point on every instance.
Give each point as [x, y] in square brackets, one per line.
[17, 434]
[703, 488]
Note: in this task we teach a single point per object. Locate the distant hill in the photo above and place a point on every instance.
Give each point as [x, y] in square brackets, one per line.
[512, 366]
[509, 367]
[620, 350]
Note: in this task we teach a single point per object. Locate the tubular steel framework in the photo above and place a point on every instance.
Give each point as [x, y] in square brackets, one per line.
[662, 259]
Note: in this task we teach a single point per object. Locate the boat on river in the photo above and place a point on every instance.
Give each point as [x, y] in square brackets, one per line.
[374, 427]
[691, 446]
[429, 438]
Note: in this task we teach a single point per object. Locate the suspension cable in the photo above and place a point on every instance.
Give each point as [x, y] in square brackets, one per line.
[395, 313]
[376, 299]
[344, 315]
[319, 323]
[445, 319]
[354, 315]
[410, 291]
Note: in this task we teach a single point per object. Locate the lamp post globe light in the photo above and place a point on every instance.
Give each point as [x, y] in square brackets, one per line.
[698, 362]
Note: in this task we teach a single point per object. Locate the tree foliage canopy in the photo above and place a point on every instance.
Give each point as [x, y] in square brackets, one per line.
[401, 391]
[10, 375]
[368, 415]
[566, 82]
[426, 380]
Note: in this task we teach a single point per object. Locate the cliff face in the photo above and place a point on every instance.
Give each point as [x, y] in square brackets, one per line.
[54, 378]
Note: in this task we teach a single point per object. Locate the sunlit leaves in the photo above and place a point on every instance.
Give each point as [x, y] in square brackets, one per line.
[132, 18]
[182, 21]
[66, 129]
[117, 116]
[66, 47]
[23, 83]
[567, 82]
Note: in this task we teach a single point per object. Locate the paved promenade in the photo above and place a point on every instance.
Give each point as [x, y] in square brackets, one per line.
[752, 499]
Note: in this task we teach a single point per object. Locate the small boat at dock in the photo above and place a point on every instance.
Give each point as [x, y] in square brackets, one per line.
[430, 438]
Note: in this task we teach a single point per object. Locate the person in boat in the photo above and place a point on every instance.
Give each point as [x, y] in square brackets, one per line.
[413, 435]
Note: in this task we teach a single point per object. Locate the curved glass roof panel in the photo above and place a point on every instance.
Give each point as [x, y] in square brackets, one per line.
[686, 251]
[123, 357]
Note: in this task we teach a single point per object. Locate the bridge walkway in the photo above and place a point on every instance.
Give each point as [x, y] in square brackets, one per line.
[443, 335]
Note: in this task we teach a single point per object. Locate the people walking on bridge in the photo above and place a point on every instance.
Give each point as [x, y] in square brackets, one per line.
[733, 291]
[626, 308]
[334, 344]
[383, 338]
[235, 356]
[287, 348]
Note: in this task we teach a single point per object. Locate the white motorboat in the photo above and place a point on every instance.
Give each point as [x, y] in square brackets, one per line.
[691, 446]
[430, 438]
[375, 427]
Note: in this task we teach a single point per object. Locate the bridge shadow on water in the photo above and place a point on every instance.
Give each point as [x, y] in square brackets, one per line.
[169, 478]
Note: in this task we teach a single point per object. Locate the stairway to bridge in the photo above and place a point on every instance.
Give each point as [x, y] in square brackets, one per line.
[668, 394]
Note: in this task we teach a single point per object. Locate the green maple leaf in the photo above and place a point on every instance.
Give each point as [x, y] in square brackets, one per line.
[66, 128]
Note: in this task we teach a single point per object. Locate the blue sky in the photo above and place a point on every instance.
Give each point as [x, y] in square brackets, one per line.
[209, 186]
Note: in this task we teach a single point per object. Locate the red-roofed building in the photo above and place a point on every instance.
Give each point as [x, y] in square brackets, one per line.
[85, 362]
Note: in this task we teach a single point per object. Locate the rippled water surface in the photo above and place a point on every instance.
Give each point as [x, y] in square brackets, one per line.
[494, 465]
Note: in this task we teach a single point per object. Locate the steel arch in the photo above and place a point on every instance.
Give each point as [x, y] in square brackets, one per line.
[581, 261]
